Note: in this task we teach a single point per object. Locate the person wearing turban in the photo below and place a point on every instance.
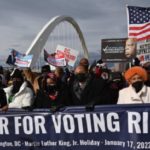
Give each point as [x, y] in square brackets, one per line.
[137, 91]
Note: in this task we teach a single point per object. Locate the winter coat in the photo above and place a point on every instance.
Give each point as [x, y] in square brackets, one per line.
[43, 100]
[96, 92]
[129, 96]
[23, 98]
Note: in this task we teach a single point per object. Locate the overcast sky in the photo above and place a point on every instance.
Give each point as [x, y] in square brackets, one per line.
[21, 20]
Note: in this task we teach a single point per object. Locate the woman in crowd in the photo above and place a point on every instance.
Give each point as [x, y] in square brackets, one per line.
[18, 95]
[137, 91]
[50, 95]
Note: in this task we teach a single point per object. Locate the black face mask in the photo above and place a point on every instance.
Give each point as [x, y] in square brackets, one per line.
[51, 89]
[16, 86]
[138, 86]
[81, 77]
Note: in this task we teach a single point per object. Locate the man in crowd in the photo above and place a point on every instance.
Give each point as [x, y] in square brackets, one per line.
[88, 90]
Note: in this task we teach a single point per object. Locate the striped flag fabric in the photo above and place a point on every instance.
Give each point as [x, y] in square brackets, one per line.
[138, 22]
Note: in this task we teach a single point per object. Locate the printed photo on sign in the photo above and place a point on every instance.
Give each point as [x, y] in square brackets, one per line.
[130, 48]
[12, 56]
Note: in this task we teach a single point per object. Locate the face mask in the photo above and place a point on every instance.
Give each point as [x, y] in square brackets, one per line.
[81, 77]
[16, 86]
[138, 86]
[51, 89]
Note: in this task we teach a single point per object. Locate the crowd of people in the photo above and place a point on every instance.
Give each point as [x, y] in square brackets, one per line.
[84, 86]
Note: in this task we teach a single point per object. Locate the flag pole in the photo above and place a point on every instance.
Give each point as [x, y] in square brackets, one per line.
[127, 18]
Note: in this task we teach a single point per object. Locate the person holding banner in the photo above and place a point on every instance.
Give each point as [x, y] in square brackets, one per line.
[19, 95]
[137, 91]
[51, 94]
[86, 90]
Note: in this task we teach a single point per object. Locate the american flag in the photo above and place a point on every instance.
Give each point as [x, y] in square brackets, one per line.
[138, 22]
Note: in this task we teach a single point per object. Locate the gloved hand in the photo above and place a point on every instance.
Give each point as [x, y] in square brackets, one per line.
[55, 108]
[90, 106]
[28, 108]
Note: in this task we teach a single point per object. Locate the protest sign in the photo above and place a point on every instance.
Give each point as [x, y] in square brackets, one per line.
[143, 52]
[55, 59]
[12, 57]
[24, 61]
[113, 50]
[69, 54]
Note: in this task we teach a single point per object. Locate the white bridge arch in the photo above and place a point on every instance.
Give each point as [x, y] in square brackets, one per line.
[38, 43]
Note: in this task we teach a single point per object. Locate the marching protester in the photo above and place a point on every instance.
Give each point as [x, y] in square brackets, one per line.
[137, 91]
[50, 95]
[100, 70]
[19, 95]
[116, 83]
[87, 90]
